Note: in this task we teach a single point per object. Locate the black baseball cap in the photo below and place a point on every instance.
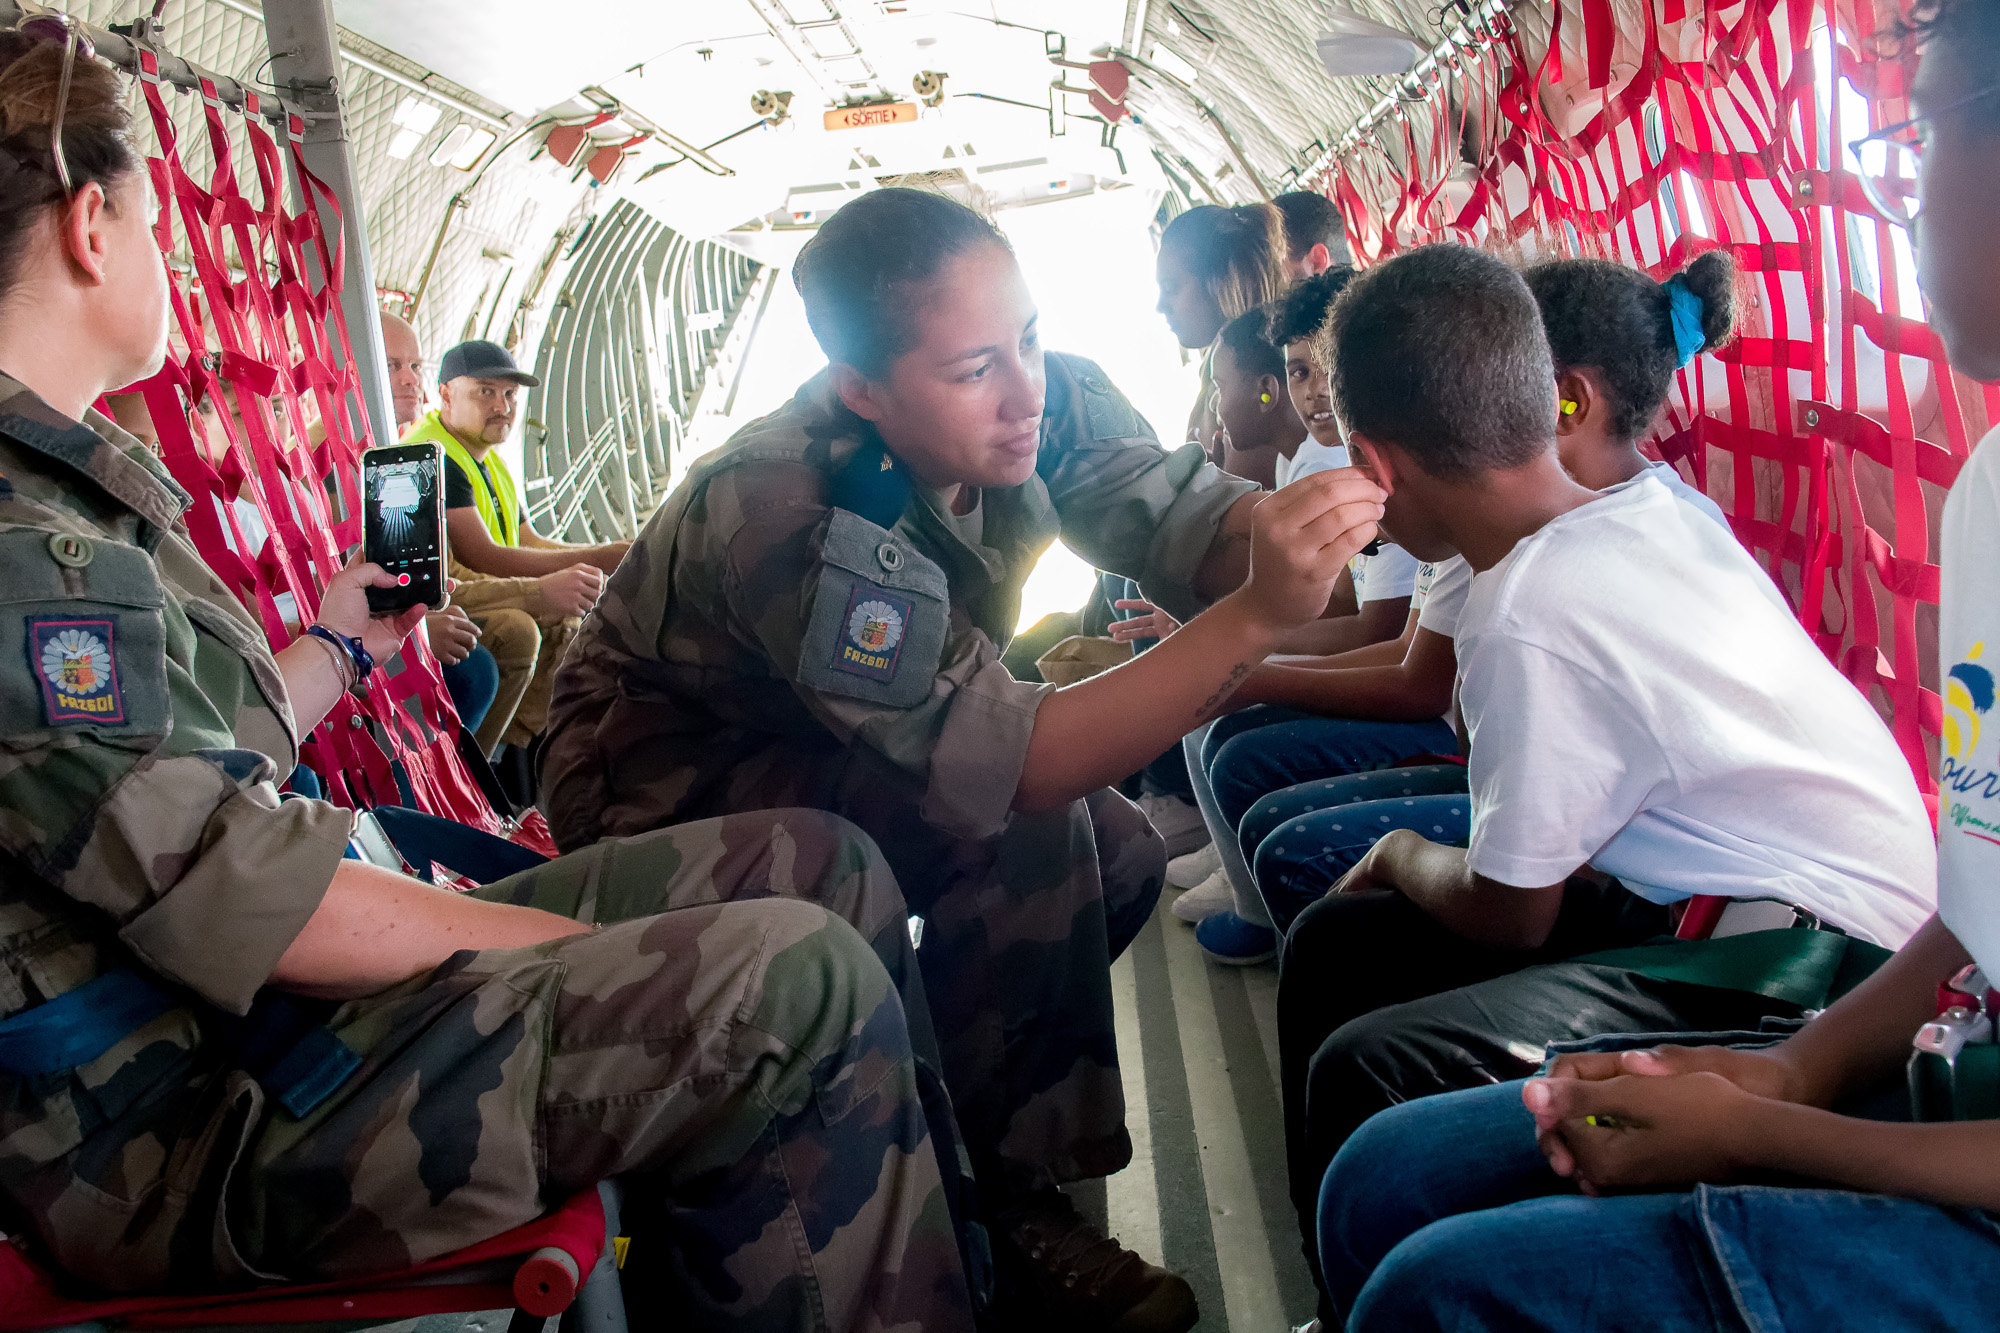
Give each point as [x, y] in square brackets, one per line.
[483, 361]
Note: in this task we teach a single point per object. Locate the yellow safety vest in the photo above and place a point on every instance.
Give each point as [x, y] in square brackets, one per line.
[499, 504]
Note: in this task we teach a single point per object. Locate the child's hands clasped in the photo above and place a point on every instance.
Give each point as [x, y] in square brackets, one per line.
[1641, 1132]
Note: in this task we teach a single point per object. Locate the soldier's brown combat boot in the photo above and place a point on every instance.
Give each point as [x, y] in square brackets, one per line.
[1079, 1278]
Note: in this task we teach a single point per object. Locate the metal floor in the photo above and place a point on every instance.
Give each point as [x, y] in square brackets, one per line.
[1205, 1194]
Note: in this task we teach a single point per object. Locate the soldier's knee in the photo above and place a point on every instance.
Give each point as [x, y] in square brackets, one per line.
[832, 844]
[512, 636]
[824, 982]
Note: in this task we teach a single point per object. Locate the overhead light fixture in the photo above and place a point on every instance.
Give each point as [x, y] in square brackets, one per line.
[1352, 45]
[404, 143]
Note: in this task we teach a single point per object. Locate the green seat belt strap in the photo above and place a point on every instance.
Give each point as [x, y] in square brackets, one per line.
[1808, 968]
[79, 1025]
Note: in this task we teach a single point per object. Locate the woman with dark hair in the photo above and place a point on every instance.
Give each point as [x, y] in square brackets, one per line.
[816, 617]
[227, 1054]
[1217, 264]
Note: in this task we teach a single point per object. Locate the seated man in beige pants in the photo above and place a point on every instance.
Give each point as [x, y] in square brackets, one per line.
[528, 592]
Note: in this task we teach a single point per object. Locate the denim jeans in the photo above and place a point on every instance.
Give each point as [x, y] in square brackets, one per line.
[473, 685]
[1261, 750]
[1441, 1214]
[1303, 839]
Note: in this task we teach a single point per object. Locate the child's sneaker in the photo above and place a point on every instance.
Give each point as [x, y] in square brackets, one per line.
[1230, 940]
[1178, 822]
[1205, 899]
[1184, 872]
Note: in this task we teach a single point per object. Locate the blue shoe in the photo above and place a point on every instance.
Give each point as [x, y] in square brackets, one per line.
[1230, 940]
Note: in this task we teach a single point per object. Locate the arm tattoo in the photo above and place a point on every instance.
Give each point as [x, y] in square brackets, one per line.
[1214, 701]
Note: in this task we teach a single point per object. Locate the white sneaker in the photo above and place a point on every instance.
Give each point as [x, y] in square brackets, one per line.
[1184, 872]
[1178, 822]
[1205, 899]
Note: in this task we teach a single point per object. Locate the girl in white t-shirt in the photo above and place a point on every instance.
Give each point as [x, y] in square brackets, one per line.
[1611, 331]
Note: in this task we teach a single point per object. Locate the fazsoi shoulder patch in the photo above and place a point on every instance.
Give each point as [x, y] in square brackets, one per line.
[76, 662]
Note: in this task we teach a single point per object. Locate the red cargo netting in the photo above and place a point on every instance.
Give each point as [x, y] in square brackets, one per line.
[1646, 131]
[260, 309]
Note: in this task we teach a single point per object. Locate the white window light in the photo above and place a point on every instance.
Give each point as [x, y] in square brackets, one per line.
[452, 143]
[463, 147]
[1171, 61]
[412, 114]
[404, 143]
[475, 146]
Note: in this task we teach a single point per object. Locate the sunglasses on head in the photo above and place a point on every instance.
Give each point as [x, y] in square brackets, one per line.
[67, 31]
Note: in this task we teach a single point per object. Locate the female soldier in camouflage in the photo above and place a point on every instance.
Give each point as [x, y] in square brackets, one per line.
[816, 616]
[172, 1114]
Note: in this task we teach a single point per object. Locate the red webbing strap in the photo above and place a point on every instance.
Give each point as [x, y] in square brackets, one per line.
[252, 313]
[1830, 431]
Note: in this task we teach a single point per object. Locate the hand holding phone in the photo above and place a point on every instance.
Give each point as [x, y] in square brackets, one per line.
[402, 487]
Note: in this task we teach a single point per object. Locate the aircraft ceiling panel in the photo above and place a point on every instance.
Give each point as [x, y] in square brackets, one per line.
[521, 55]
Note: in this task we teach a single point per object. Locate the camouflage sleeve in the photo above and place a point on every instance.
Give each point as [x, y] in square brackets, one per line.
[1126, 504]
[860, 624]
[121, 787]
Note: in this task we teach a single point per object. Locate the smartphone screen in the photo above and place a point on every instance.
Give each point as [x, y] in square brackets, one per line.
[404, 532]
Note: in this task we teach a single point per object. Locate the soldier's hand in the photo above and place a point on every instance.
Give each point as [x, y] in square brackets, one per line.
[344, 609]
[1301, 537]
[453, 635]
[572, 591]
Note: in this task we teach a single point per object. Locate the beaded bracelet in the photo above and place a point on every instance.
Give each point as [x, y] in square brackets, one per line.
[357, 654]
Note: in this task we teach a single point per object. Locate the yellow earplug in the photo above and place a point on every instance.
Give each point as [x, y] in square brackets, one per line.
[1264, 397]
[1569, 407]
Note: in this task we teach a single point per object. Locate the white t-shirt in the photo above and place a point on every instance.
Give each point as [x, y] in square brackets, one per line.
[1311, 456]
[1639, 701]
[1969, 750]
[1391, 572]
[1442, 586]
[1669, 474]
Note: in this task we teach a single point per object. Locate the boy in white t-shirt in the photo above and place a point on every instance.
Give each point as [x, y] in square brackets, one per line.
[1646, 724]
[1899, 1232]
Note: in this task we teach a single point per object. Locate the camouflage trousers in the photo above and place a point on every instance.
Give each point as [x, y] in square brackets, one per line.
[738, 1054]
[1019, 934]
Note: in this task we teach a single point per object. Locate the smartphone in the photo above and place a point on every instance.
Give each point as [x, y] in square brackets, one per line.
[402, 486]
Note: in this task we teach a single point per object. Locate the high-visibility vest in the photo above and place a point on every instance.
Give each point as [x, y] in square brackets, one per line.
[499, 503]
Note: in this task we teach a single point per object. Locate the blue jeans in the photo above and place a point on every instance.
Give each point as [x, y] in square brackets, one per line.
[472, 684]
[1441, 1214]
[1306, 837]
[1261, 750]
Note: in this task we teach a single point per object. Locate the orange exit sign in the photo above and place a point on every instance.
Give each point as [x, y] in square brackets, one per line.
[867, 117]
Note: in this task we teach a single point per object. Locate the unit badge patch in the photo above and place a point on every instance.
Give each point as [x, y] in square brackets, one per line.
[77, 664]
[873, 636]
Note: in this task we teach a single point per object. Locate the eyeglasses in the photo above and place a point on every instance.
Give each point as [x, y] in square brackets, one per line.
[61, 28]
[1888, 161]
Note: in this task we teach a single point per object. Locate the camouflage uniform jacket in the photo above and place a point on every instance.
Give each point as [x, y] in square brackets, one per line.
[756, 617]
[143, 727]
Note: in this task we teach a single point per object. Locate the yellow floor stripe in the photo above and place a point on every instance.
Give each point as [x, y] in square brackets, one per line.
[1132, 1197]
[1242, 1245]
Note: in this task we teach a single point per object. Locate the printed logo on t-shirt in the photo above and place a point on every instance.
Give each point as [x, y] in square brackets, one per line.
[1968, 697]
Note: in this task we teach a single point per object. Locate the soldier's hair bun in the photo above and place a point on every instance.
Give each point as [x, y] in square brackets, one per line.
[857, 273]
[96, 135]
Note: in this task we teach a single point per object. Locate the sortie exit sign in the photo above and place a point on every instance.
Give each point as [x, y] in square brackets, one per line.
[867, 117]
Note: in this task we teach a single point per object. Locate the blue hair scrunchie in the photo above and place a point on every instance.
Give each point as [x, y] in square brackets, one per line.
[1684, 310]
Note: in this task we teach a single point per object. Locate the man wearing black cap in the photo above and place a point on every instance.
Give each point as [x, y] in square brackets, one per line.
[501, 562]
